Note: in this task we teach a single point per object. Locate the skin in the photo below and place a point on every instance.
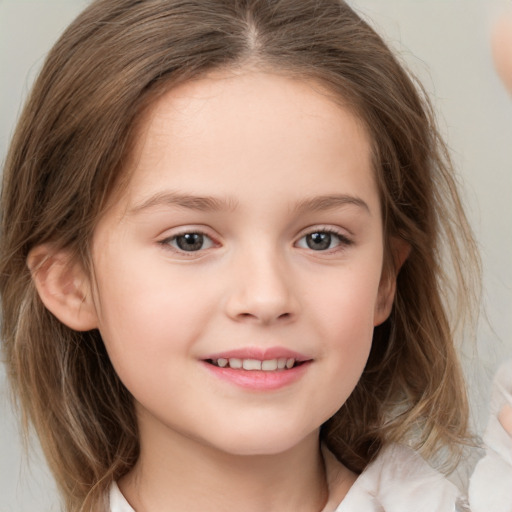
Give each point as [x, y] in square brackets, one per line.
[505, 418]
[263, 146]
[502, 50]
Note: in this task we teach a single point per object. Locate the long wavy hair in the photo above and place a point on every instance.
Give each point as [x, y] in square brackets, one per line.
[68, 155]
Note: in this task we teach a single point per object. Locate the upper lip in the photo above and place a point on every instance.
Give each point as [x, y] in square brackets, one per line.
[260, 354]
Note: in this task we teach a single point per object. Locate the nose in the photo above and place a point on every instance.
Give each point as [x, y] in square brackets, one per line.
[262, 289]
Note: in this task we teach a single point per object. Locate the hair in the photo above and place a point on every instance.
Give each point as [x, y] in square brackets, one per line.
[69, 153]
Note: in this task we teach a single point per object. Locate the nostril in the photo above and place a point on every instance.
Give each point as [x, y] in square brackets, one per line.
[264, 318]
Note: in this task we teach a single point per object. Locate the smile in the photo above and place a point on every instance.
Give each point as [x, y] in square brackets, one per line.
[257, 369]
[266, 365]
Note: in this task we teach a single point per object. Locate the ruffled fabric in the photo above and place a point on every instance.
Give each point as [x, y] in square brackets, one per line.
[399, 480]
[490, 488]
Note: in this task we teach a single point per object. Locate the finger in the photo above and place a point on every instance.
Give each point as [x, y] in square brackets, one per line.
[505, 418]
[502, 50]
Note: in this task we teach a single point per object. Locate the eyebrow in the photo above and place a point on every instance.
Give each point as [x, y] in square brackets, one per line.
[217, 204]
[329, 202]
[200, 203]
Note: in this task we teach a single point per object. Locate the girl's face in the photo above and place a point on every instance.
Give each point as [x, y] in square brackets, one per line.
[250, 235]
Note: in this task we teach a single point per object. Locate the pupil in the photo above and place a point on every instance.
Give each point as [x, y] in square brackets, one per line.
[318, 241]
[190, 241]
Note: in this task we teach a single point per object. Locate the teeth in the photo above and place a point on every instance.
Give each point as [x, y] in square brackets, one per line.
[267, 365]
[251, 364]
[235, 363]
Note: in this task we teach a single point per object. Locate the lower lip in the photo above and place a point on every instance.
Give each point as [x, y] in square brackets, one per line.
[259, 380]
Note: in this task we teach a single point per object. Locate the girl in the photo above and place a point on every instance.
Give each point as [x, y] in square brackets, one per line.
[221, 275]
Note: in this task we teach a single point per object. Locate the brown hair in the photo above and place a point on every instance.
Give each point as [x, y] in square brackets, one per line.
[68, 153]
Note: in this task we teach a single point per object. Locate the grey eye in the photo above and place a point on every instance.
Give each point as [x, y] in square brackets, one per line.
[190, 242]
[323, 241]
[319, 241]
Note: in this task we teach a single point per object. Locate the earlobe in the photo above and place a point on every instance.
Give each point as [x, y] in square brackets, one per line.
[63, 287]
[400, 250]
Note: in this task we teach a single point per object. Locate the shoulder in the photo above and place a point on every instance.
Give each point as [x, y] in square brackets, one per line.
[399, 480]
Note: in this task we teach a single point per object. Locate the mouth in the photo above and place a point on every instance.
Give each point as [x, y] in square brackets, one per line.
[259, 369]
[265, 365]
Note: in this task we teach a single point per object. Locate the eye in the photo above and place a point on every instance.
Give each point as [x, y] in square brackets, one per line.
[323, 240]
[189, 242]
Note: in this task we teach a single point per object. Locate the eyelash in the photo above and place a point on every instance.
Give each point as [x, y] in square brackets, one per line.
[343, 241]
[167, 243]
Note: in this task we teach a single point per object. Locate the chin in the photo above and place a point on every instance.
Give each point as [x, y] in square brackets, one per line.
[265, 442]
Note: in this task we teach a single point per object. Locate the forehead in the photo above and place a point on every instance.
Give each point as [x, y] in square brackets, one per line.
[255, 124]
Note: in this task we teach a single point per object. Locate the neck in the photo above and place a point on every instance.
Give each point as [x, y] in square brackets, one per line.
[184, 475]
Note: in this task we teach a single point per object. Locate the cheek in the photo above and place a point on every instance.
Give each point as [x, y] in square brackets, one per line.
[345, 318]
[147, 314]
[350, 301]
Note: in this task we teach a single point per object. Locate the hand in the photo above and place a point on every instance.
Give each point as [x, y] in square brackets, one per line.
[502, 50]
[505, 418]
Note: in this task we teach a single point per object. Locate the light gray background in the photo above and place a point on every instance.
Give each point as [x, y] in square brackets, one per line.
[446, 43]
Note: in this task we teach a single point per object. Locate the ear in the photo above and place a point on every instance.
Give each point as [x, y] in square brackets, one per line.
[400, 251]
[63, 287]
